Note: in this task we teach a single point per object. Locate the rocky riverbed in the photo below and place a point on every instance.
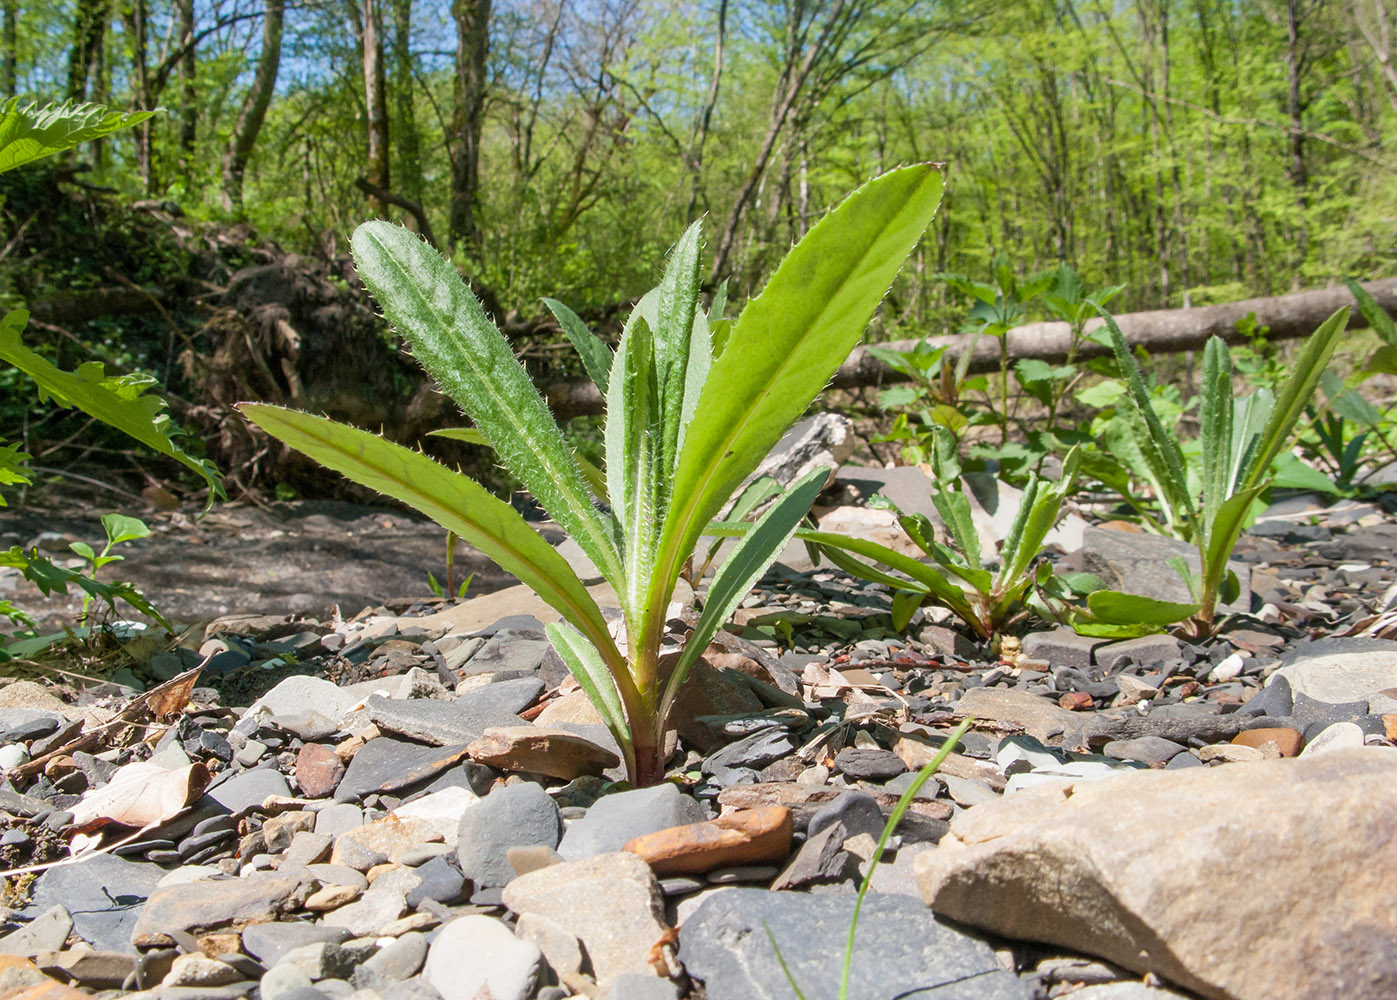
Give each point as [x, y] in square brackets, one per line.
[416, 800]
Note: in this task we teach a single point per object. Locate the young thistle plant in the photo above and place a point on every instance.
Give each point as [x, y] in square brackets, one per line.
[691, 409]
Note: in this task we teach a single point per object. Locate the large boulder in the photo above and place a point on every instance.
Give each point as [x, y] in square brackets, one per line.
[1244, 882]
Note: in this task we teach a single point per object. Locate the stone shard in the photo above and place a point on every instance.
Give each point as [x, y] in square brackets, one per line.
[541, 750]
[205, 905]
[749, 837]
[1155, 870]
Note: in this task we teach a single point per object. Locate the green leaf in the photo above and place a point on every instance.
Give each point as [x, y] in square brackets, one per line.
[117, 402]
[121, 528]
[1038, 512]
[595, 355]
[596, 479]
[32, 132]
[742, 569]
[586, 666]
[1233, 516]
[1293, 397]
[905, 605]
[1215, 425]
[1290, 472]
[1105, 393]
[1116, 607]
[673, 338]
[450, 499]
[1112, 630]
[12, 468]
[1383, 324]
[1382, 362]
[633, 470]
[451, 337]
[785, 347]
[1159, 447]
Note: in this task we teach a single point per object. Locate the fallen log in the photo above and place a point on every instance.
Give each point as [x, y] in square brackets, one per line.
[1159, 331]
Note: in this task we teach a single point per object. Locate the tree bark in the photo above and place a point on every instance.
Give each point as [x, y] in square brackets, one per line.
[375, 102]
[188, 98]
[254, 109]
[409, 153]
[9, 48]
[472, 19]
[84, 59]
[1162, 331]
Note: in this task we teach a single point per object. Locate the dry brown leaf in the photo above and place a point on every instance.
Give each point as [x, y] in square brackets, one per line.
[141, 795]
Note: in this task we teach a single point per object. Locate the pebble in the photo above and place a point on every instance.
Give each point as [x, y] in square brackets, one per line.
[366, 837]
[479, 956]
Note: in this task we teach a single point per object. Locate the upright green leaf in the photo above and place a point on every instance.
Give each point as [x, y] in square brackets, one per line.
[678, 302]
[785, 346]
[1215, 427]
[31, 132]
[451, 337]
[587, 668]
[595, 355]
[119, 402]
[633, 472]
[1294, 396]
[1383, 324]
[1158, 446]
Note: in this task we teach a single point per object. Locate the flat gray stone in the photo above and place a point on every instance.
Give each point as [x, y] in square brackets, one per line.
[615, 819]
[268, 942]
[103, 893]
[512, 816]
[503, 697]
[388, 765]
[901, 949]
[46, 932]
[1061, 647]
[293, 695]
[247, 789]
[611, 903]
[437, 723]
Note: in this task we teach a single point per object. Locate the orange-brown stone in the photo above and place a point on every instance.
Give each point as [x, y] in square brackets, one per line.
[1289, 742]
[748, 837]
[51, 990]
[1389, 723]
[1076, 701]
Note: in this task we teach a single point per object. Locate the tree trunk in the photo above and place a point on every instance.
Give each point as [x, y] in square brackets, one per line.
[375, 103]
[188, 97]
[134, 20]
[84, 59]
[1162, 331]
[9, 48]
[409, 153]
[472, 19]
[254, 109]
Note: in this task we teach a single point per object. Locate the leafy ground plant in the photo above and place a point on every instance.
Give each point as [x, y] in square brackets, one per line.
[692, 408]
[27, 134]
[959, 576]
[900, 810]
[1211, 503]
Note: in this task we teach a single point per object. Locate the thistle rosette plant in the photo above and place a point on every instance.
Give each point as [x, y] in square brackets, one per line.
[1210, 503]
[956, 575]
[691, 409]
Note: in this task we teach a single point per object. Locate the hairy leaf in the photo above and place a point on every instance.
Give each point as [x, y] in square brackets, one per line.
[595, 355]
[451, 337]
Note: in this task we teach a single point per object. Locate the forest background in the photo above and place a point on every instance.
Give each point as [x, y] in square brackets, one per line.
[1194, 151]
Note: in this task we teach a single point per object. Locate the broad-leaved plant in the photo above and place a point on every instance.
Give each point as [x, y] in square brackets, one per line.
[692, 407]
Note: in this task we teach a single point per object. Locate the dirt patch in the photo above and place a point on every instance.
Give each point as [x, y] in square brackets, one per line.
[304, 558]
